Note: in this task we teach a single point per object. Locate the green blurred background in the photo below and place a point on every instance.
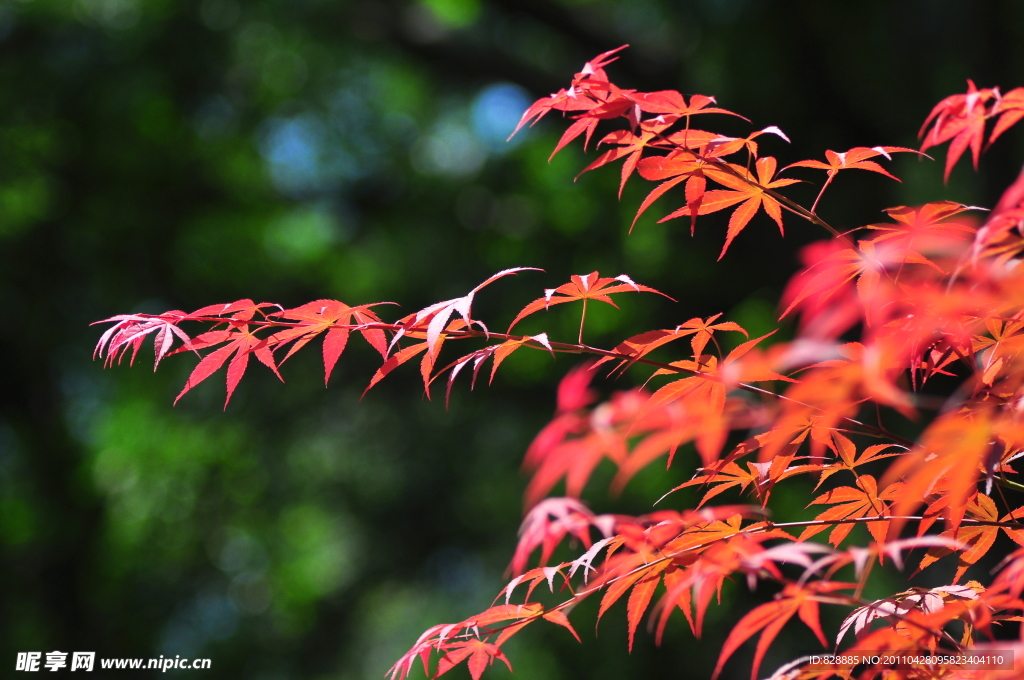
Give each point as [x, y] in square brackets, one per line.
[157, 154]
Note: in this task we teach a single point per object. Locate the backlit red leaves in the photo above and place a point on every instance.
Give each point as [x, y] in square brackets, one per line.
[674, 169]
[854, 159]
[926, 235]
[962, 118]
[751, 192]
[131, 330]
[576, 443]
[241, 343]
[476, 641]
[1010, 109]
[630, 146]
[758, 478]
[845, 283]
[924, 307]
[632, 572]
[918, 300]
[700, 331]
[1001, 237]
[672, 103]
[546, 524]
[583, 288]
[771, 617]
[849, 460]
[977, 540]
[589, 90]
[851, 503]
[333, 318]
[434, 319]
[477, 654]
[900, 608]
[955, 449]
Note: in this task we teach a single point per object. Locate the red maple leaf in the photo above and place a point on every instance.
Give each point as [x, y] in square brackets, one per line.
[960, 118]
[584, 288]
[749, 191]
[330, 317]
[242, 342]
[769, 618]
[854, 159]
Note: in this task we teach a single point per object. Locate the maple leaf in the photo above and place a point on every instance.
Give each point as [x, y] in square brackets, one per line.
[631, 147]
[854, 159]
[393, 361]
[750, 192]
[864, 500]
[434, 319]
[697, 149]
[702, 330]
[675, 168]
[954, 449]
[585, 288]
[599, 106]
[477, 654]
[574, 390]
[426, 643]
[638, 346]
[131, 330]
[332, 317]
[642, 579]
[977, 540]
[573, 447]
[1000, 236]
[771, 617]
[716, 551]
[823, 290]
[960, 118]
[671, 102]
[571, 99]
[703, 398]
[242, 342]
[722, 145]
[1001, 347]
[1010, 109]
[535, 577]
[917, 617]
[496, 352]
[574, 394]
[848, 458]
[432, 325]
[924, 230]
[546, 524]
[759, 477]
[897, 608]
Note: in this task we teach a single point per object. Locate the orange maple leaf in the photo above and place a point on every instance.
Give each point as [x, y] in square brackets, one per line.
[769, 618]
[862, 501]
[750, 192]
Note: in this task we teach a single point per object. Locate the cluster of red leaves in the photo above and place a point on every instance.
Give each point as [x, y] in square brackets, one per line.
[930, 293]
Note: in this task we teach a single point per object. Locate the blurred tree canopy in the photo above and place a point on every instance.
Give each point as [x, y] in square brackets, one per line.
[165, 154]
